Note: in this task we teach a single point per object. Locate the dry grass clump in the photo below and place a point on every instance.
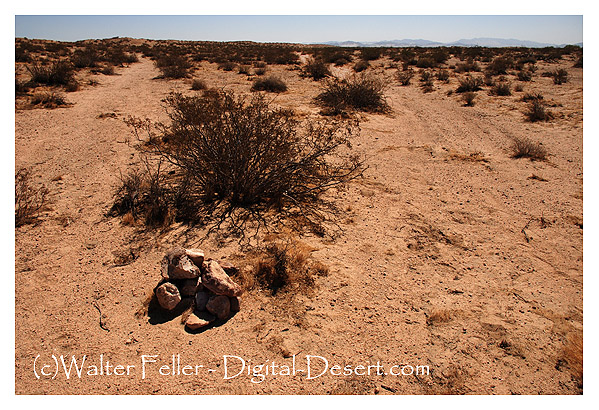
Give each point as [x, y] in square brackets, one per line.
[536, 111]
[283, 265]
[468, 98]
[316, 69]
[560, 76]
[198, 85]
[58, 73]
[501, 89]
[48, 99]
[439, 316]
[405, 76]
[29, 200]
[244, 162]
[525, 148]
[362, 93]
[469, 83]
[271, 84]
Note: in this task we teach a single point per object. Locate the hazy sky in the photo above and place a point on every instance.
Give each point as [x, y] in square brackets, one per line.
[302, 29]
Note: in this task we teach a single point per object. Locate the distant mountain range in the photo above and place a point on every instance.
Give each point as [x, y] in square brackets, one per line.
[465, 42]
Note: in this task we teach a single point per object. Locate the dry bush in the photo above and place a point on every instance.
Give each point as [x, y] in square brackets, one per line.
[271, 84]
[532, 97]
[500, 65]
[260, 71]
[244, 69]
[29, 200]
[468, 98]
[470, 83]
[198, 85]
[361, 66]
[536, 111]
[439, 316]
[525, 75]
[443, 75]
[58, 73]
[227, 66]
[501, 89]
[48, 99]
[525, 148]
[363, 93]
[316, 69]
[107, 70]
[173, 65]
[282, 265]
[245, 162]
[560, 76]
[405, 76]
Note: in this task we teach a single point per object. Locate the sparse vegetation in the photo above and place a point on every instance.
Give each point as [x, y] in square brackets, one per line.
[525, 148]
[501, 89]
[316, 69]
[29, 199]
[48, 99]
[405, 76]
[536, 111]
[271, 84]
[270, 161]
[58, 73]
[560, 76]
[363, 93]
[470, 83]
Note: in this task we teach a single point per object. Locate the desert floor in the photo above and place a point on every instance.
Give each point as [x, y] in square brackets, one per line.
[464, 263]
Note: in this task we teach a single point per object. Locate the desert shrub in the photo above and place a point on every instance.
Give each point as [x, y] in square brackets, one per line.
[30, 200]
[501, 89]
[21, 55]
[227, 66]
[443, 75]
[244, 69]
[71, 86]
[525, 75]
[518, 88]
[48, 99]
[536, 111]
[21, 87]
[405, 76]
[468, 98]
[361, 66]
[316, 69]
[578, 63]
[560, 76]
[371, 53]
[271, 84]
[83, 58]
[260, 71]
[107, 70]
[425, 62]
[467, 67]
[198, 85]
[173, 65]
[525, 148]
[500, 65]
[145, 194]
[363, 93]
[239, 159]
[58, 73]
[426, 79]
[469, 83]
[531, 97]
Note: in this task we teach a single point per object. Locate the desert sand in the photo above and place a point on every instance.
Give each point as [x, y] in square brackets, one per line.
[453, 254]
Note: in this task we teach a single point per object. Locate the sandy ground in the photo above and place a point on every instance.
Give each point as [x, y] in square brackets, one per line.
[433, 267]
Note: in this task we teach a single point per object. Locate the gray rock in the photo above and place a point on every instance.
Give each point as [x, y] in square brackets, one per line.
[201, 300]
[235, 302]
[215, 279]
[168, 296]
[219, 306]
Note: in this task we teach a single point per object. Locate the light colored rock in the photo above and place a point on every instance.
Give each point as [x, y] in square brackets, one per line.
[168, 296]
[228, 267]
[177, 265]
[235, 302]
[198, 320]
[196, 256]
[201, 300]
[219, 306]
[215, 279]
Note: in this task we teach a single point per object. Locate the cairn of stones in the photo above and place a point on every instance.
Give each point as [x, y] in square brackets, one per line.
[186, 273]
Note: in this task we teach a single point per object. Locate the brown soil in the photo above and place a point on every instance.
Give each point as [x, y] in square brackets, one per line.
[454, 255]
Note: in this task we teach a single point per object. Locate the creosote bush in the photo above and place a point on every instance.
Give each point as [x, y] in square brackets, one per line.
[560, 76]
[405, 76]
[316, 69]
[242, 162]
[29, 200]
[536, 111]
[58, 73]
[525, 148]
[501, 89]
[362, 93]
[470, 83]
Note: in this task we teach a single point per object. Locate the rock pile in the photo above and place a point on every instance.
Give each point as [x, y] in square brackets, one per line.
[186, 273]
